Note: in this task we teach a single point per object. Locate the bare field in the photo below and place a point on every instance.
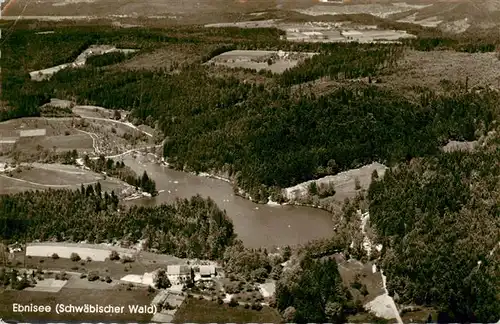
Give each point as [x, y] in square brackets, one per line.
[344, 182]
[167, 57]
[430, 68]
[118, 296]
[274, 61]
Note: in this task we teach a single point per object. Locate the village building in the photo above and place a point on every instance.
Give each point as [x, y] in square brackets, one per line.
[207, 271]
[16, 247]
[179, 274]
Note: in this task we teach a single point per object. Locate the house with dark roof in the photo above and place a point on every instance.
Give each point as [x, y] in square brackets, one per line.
[179, 274]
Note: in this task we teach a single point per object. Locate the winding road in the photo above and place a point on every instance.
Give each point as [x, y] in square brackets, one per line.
[95, 146]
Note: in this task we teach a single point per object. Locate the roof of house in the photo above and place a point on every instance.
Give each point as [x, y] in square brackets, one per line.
[178, 270]
[206, 270]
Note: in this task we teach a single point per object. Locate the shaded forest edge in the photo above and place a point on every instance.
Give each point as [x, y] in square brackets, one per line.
[188, 228]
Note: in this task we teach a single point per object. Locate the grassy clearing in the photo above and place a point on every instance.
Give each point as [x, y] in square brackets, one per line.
[356, 275]
[56, 177]
[114, 269]
[53, 127]
[118, 296]
[10, 186]
[195, 310]
[69, 142]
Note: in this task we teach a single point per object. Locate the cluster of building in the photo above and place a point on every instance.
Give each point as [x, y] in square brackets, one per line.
[177, 275]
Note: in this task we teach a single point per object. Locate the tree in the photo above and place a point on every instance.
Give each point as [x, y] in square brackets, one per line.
[74, 257]
[289, 314]
[357, 184]
[233, 302]
[117, 115]
[312, 189]
[287, 253]
[310, 288]
[113, 256]
[260, 275]
[334, 312]
[93, 276]
[55, 256]
[161, 280]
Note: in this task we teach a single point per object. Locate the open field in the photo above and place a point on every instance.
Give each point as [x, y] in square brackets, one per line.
[44, 176]
[274, 61]
[48, 285]
[95, 112]
[194, 310]
[430, 68]
[117, 296]
[61, 143]
[53, 127]
[59, 136]
[324, 32]
[39, 255]
[56, 175]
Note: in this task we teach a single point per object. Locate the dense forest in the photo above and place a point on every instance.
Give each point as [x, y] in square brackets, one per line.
[312, 292]
[267, 138]
[121, 171]
[439, 219]
[194, 228]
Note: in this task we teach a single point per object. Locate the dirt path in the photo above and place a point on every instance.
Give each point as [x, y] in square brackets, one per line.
[122, 123]
[94, 138]
[392, 304]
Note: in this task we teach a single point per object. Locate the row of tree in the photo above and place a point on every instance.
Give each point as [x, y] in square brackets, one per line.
[119, 170]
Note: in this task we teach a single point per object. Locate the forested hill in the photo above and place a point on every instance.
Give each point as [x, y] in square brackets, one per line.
[261, 135]
[266, 138]
[194, 228]
[439, 219]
